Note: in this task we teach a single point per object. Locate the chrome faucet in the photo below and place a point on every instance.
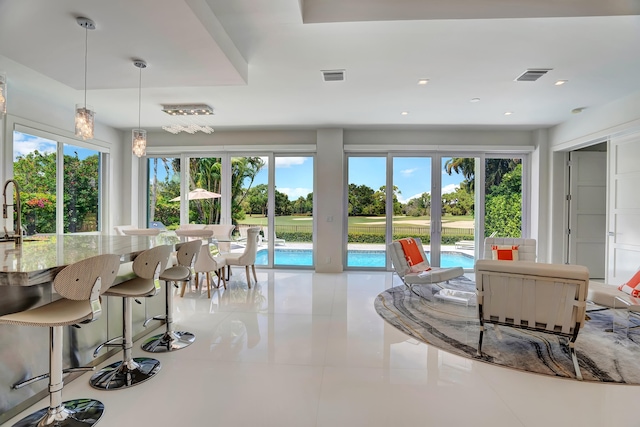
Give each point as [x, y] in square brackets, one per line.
[17, 236]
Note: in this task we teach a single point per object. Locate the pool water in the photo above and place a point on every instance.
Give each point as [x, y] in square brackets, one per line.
[356, 258]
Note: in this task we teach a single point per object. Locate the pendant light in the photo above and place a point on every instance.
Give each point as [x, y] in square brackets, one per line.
[139, 136]
[84, 112]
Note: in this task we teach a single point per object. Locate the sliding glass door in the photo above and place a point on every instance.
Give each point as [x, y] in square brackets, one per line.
[366, 212]
[450, 208]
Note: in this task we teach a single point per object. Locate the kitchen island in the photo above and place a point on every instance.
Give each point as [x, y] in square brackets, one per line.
[26, 275]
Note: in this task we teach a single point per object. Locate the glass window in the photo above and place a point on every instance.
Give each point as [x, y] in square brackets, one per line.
[164, 192]
[34, 168]
[81, 189]
[36, 161]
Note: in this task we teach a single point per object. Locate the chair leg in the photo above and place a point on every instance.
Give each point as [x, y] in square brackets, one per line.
[197, 280]
[208, 284]
[130, 371]
[171, 340]
[246, 268]
[221, 277]
[253, 267]
[80, 411]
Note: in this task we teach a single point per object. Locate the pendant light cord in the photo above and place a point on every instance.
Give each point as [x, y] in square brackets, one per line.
[86, 50]
[139, 97]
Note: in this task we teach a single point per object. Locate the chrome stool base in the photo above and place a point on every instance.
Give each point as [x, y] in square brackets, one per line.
[169, 341]
[121, 375]
[72, 413]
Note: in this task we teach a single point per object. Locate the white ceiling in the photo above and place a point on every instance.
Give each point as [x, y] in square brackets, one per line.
[258, 62]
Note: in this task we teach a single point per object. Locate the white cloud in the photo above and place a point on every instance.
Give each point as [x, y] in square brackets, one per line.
[451, 188]
[408, 172]
[25, 144]
[415, 196]
[295, 193]
[287, 162]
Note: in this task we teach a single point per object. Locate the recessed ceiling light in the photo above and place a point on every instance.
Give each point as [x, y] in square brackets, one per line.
[423, 81]
[474, 100]
[405, 113]
[508, 113]
[560, 82]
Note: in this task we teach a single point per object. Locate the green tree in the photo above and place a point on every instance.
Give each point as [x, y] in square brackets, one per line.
[503, 205]
[418, 206]
[361, 200]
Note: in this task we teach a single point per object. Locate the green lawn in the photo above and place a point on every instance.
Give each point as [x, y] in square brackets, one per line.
[354, 220]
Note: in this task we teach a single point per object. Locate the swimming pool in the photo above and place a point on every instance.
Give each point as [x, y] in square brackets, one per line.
[356, 258]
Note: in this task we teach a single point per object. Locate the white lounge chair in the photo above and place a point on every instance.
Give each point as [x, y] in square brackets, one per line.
[402, 268]
[276, 240]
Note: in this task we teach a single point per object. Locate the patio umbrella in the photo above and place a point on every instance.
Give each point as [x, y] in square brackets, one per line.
[198, 194]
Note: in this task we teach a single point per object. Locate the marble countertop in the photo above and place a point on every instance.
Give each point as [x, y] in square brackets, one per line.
[38, 260]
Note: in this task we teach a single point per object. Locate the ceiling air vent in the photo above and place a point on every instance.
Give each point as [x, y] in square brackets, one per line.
[333, 75]
[532, 75]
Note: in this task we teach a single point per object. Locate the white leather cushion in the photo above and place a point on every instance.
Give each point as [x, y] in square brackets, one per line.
[422, 266]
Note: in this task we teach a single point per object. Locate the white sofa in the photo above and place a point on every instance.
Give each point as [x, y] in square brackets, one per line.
[548, 298]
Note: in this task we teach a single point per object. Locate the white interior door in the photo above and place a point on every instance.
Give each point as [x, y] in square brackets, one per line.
[624, 208]
[587, 211]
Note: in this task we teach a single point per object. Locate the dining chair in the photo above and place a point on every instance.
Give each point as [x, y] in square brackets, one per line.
[205, 263]
[248, 257]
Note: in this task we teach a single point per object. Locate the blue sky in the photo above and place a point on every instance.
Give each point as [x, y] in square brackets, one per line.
[412, 175]
[24, 144]
[294, 175]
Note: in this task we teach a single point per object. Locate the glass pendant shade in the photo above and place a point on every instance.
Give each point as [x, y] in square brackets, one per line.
[84, 121]
[139, 142]
[3, 94]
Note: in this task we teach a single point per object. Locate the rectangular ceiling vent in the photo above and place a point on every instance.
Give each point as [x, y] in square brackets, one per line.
[532, 75]
[333, 75]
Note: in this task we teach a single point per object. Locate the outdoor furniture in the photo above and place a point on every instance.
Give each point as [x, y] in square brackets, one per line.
[549, 298]
[248, 257]
[276, 240]
[434, 275]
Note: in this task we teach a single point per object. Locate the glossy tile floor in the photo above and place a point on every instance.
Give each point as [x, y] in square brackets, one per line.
[306, 349]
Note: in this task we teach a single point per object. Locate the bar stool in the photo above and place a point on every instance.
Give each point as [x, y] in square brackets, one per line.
[174, 340]
[206, 264]
[80, 286]
[131, 371]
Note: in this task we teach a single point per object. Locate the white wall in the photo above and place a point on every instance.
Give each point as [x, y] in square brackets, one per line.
[591, 126]
[36, 101]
